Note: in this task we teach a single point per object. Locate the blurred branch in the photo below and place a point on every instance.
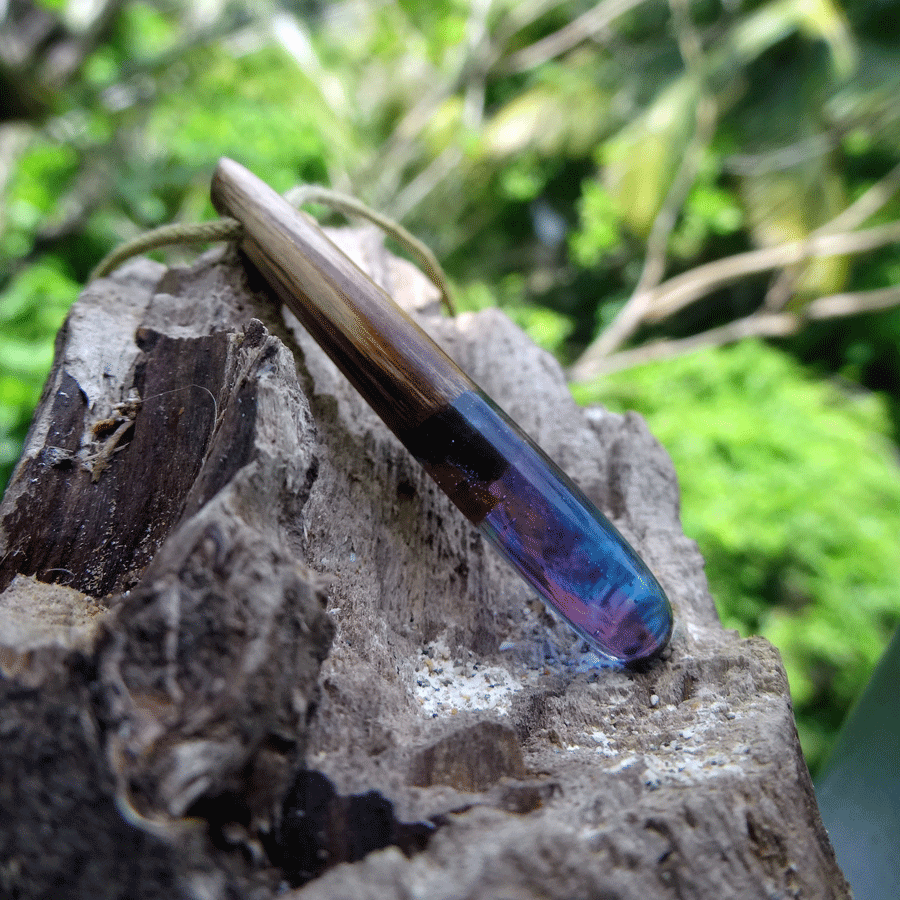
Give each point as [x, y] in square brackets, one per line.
[579, 30]
[682, 290]
[704, 126]
[756, 325]
[852, 217]
[783, 158]
[629, 318]
[483, 56]
[866, 205]
[478, 38]
[415, 191]
[403, 146]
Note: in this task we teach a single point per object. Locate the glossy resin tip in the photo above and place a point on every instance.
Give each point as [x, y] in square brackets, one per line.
[533, 514]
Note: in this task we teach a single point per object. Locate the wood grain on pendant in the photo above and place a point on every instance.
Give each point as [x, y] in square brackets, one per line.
[390, 360]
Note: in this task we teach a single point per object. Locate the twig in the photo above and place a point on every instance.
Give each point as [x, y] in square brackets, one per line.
[682, 290]
[570, 36]
[863, 208]
[676, 293]
[779, 324]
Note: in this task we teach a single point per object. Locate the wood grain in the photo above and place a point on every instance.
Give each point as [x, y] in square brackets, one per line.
[390, 360]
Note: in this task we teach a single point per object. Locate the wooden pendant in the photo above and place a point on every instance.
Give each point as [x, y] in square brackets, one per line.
[560, 543]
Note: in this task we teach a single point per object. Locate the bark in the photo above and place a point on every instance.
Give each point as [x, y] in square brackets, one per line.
[247, 644]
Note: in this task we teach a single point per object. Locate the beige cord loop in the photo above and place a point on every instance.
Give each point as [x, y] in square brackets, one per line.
[232, 230]
[167, 236]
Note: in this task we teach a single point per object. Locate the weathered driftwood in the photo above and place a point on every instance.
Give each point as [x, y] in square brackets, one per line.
[189, 504]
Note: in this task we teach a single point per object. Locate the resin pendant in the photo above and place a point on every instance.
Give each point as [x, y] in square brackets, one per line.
[558, 541]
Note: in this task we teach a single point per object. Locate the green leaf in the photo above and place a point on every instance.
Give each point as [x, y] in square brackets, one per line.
[859, 789]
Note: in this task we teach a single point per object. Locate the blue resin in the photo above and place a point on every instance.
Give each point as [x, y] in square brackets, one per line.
[550, 532]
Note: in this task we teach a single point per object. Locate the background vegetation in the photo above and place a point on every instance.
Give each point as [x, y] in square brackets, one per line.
[584, 165]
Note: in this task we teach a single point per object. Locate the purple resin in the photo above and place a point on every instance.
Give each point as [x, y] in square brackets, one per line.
[550, 532]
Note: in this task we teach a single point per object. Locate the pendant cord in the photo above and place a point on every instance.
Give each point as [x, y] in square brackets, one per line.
[227, 229]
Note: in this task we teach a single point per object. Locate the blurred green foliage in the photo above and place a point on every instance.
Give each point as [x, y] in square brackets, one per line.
[769, 461]
[32, 308]
[537, 146]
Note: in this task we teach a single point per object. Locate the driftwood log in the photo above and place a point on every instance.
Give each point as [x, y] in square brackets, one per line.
[248, 647]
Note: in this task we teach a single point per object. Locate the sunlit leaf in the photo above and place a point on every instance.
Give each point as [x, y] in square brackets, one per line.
[827, 21]
[642, 159]
[788, 206]
[564, 114]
